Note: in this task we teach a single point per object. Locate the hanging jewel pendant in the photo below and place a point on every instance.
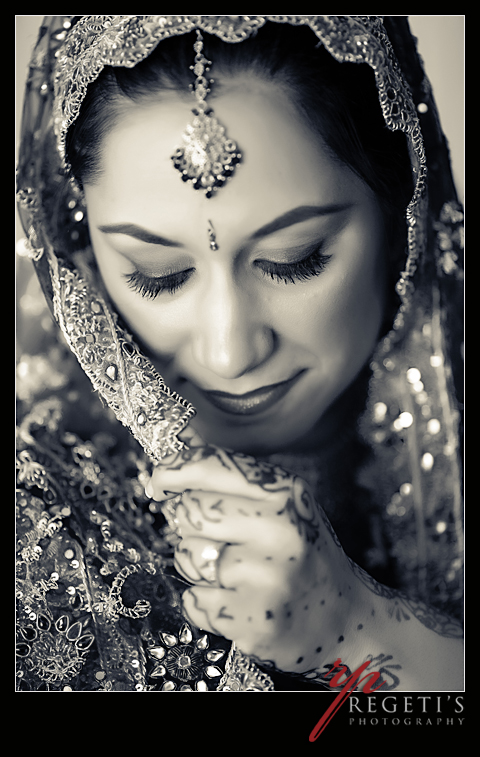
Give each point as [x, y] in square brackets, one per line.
[208, 157]
[212, 237]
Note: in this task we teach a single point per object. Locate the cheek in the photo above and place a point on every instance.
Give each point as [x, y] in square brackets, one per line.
[340, 319]
[161, 330]
[156, 327]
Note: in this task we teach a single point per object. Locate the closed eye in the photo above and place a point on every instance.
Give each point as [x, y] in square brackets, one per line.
[312, 265]
[301, 270]
[150, 286]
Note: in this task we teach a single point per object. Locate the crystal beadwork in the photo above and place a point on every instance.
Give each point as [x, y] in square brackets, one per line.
[154, 417]
[182, 661]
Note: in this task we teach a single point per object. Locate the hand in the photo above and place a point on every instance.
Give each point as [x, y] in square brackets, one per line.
[266, 569]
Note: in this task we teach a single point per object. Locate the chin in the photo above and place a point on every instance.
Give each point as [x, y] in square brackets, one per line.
[253, 438]
[308, 424]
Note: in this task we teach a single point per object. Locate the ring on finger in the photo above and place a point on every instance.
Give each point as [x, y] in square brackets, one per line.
[169, 511]
[197, 560]
[208, 569]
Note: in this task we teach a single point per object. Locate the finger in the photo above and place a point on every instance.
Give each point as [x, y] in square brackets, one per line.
[199, 560]
[191, 440]
[208, 609]
[240, 616]
[214, 469]
[223, 565]
[229, 518]
[188, 438]
[191, 437]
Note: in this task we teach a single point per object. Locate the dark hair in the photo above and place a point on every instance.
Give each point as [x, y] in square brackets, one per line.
[338, 100]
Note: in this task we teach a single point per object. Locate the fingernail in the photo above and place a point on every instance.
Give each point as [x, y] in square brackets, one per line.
[170, 495]
[149, 490]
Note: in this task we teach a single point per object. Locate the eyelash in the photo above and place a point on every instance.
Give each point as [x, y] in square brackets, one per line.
[151, 287]
[288, 273]
[302, 270]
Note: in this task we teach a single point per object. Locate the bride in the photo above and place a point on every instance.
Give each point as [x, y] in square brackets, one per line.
[252, 255]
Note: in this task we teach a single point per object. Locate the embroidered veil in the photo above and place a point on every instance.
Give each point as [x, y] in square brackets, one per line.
[99, 603]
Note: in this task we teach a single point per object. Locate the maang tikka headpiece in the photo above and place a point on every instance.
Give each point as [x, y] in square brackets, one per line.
[208, 157]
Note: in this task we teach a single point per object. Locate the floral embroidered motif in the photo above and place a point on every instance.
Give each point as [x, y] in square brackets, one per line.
[184, 663]
[55, 652]
[89, 564]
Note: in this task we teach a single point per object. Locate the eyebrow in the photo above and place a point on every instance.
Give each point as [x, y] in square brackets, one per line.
[291, 217]
[297, 215]
[137, 232]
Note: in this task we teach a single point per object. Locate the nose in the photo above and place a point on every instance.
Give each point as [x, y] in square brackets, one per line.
[230, 337]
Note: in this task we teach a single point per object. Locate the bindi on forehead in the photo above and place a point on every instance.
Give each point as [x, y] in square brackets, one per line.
[212, 237]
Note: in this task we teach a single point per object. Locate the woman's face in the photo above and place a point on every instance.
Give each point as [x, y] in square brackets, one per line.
[263, 334]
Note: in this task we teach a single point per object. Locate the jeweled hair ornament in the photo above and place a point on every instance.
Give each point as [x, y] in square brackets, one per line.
[208, 157]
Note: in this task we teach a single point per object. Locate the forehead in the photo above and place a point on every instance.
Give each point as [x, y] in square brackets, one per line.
[283, 162]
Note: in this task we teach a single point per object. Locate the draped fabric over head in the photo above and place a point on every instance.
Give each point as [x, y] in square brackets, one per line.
[411, 421]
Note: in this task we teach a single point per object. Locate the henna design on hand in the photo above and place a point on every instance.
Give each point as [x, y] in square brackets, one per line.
[302, 510]
[385, 671]
[300, 505]
[195, 454]
[387, 682]
[209, 624]
[269, 477]
[430, 617]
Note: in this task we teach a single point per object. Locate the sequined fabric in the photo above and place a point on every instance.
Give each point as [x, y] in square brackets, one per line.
[98, 601]
[99, 605]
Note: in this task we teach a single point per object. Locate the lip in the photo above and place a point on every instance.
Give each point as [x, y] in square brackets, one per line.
[251, 403]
